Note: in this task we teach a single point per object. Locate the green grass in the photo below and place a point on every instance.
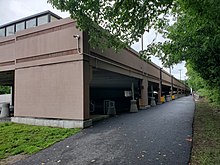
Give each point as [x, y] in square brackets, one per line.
[206, 138]
[27, 139]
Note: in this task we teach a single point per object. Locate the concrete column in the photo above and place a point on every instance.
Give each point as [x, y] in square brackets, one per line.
[159, 95]
[143, 102]
[87, 77]
[160, 87]
[152, 100]
[178, 92]
[171, 86]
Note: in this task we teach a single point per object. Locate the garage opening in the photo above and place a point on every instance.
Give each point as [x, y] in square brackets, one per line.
[166, 93]
[153, 89]
[6, 94]
[110, 92]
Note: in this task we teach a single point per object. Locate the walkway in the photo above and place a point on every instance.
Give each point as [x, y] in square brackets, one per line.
[159, 135]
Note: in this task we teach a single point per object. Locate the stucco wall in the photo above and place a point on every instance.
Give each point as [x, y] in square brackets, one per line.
[50, 91]
[7, 53]
[129, 59]
[53, 37]
[6, 98]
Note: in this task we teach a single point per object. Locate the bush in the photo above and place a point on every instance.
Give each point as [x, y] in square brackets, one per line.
[4, 90]
[212, 94]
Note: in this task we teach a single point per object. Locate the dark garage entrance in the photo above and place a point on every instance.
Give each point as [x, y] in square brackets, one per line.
[110, 88]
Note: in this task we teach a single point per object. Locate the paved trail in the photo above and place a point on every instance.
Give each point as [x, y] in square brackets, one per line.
[150, 137]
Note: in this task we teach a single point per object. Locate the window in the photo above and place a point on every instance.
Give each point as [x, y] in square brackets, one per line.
[10, 30]
[52, 18]
[42, 20]
[31, 23]
[2, 32]
[19, 26]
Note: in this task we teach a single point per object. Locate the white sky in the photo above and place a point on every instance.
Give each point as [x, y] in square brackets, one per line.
[11, 10]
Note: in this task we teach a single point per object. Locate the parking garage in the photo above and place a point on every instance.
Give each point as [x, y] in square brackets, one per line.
[111, 88]
[7, 101]
[58, 77]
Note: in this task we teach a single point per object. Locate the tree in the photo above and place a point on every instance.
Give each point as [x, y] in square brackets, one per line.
[123, 21]
[194, 80]
[195, 38]
[202, 87]
[4, 89]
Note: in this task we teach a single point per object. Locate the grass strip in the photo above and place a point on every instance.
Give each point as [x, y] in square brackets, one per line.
[26, 139]
[206, 136]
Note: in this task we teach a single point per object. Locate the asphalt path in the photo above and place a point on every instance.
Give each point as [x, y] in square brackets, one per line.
[156, 136]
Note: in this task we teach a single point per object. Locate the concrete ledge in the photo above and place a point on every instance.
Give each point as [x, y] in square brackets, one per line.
[53, 122]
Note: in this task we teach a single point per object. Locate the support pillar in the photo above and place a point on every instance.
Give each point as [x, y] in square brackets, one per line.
[160, 87]
[171, 89]
[143, 102]
[87, 77]
[178, 92]
[152, 101]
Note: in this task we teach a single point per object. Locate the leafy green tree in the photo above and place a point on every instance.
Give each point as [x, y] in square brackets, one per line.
[123, 20]
[195, 38]
[194, 80]
[202, 87]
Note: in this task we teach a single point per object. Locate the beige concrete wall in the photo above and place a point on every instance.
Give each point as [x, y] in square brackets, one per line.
[166, 78]
[128, 60]
[49, 71]
[53, 37]
[7, 53]
[7, 49]
[178, 84]
[40, 45]
[50, 91]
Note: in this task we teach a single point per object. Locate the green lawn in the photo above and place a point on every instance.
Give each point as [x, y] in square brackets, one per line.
[206, 139]
[27, 139]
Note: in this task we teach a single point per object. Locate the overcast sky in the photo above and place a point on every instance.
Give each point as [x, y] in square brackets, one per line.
[11, 10]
